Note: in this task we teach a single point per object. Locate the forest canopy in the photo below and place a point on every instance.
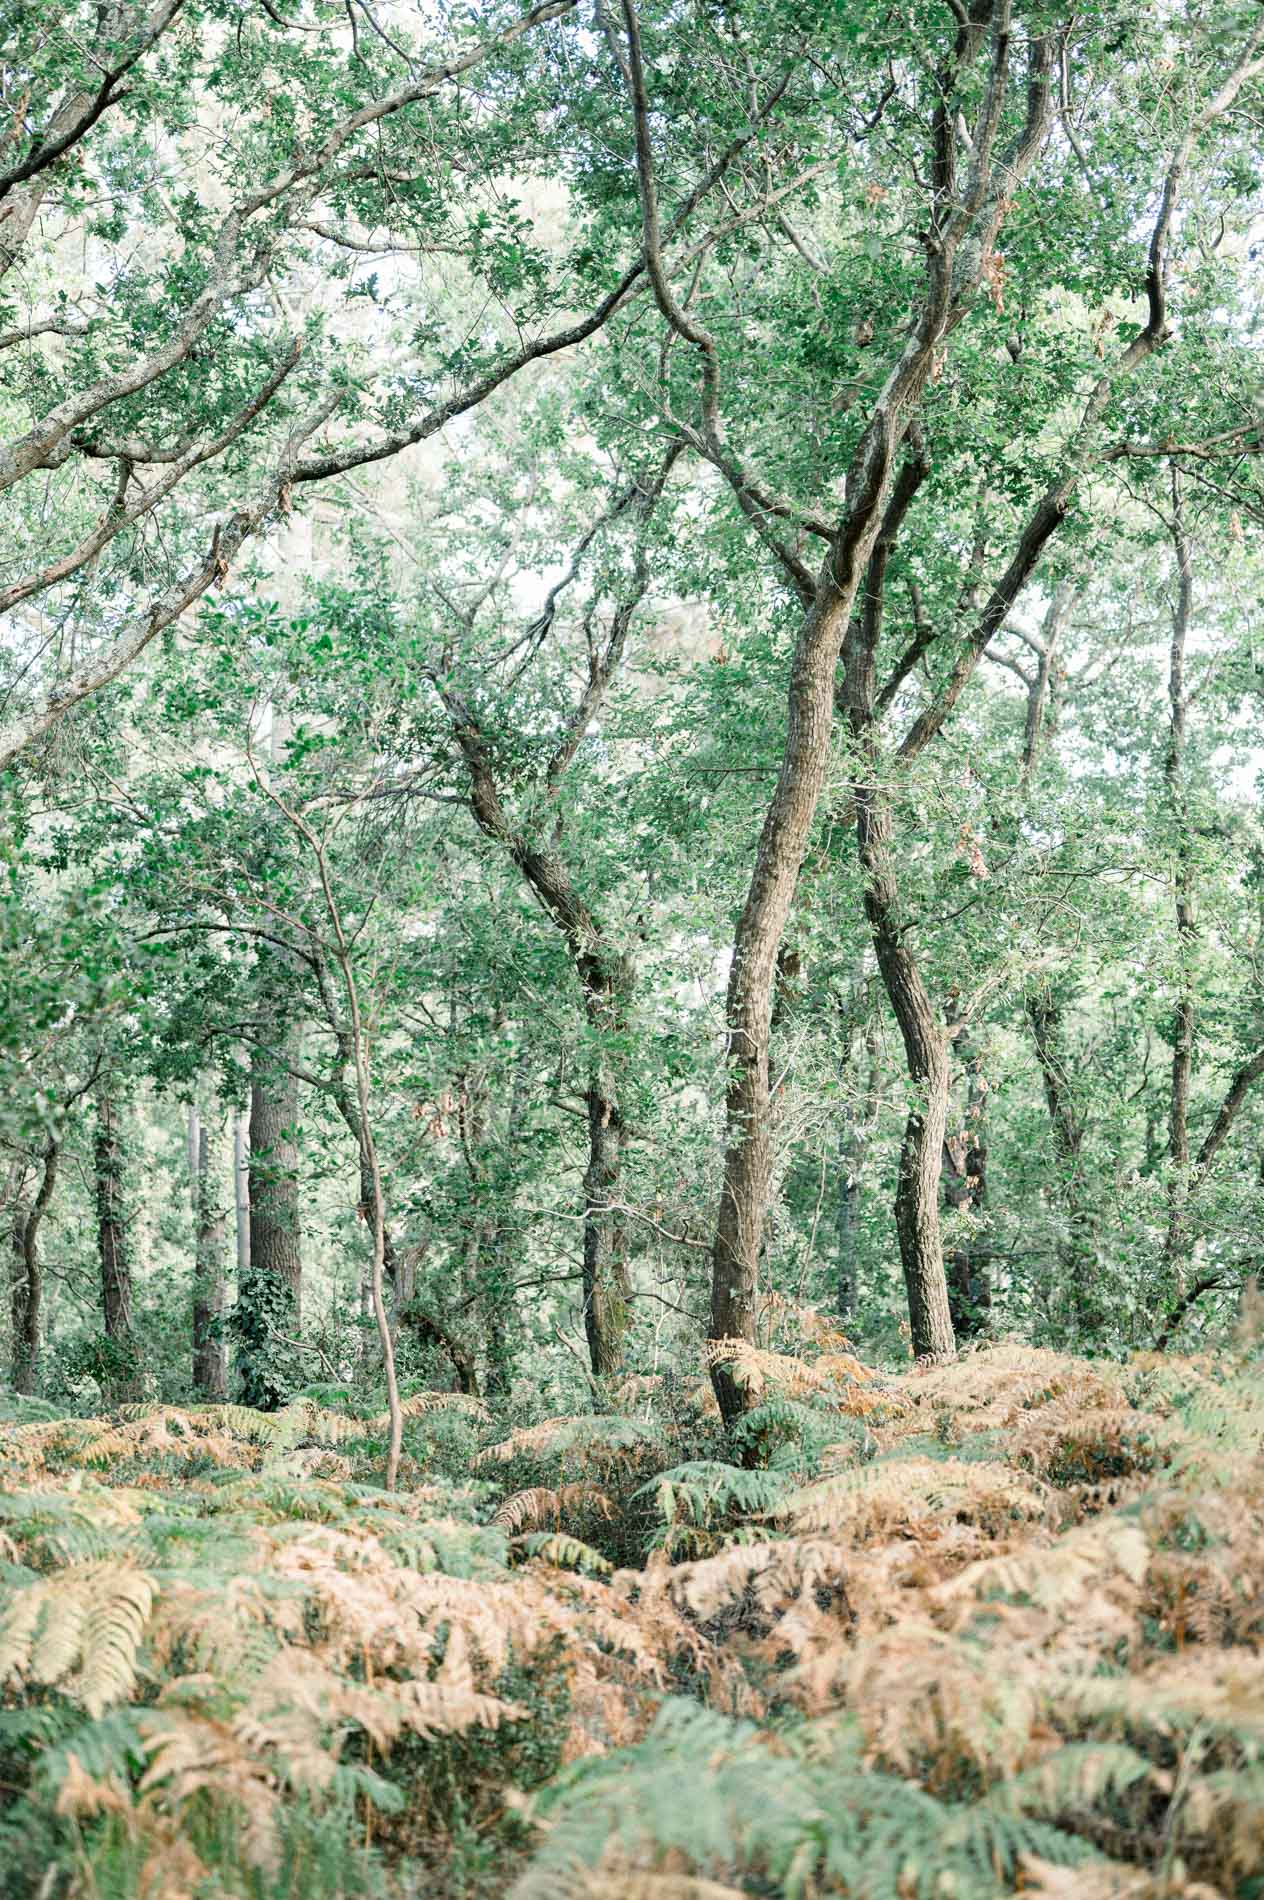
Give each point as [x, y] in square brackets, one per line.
[631, 939]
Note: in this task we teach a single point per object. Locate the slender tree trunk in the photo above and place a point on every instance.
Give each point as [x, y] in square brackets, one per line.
[854, 1140]
[241, 1190]
[605, 1275]
[120, 1380]
[28, 1294]
[23, 1370]
[499, 1304]
[965, 1191]
[606, 981]
[269, 1296]
[398, 1264]
[1077, 1249]
[926, 1052]
[757, 940]
[1176, 1242]
[210, 1367]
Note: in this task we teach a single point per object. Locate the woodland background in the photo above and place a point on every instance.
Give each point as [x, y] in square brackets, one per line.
[632, 1057]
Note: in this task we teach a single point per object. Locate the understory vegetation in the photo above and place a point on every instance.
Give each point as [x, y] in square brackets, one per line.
[988, 1628]
[631, 949]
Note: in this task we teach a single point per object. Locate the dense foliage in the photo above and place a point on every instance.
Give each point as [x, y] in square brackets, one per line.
[631, 932]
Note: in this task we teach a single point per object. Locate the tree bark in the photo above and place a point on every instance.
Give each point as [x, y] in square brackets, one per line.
[926, 1052]
[210, 1363]
[607, 1289]
[120, 1370]
[241, 1190]
[269, 1296]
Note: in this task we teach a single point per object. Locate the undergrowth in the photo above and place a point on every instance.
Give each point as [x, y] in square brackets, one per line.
[989, 1628]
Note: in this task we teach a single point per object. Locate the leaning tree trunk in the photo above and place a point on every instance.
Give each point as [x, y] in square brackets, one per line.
[210, 1367]
[119, 1378]
[269, 1296]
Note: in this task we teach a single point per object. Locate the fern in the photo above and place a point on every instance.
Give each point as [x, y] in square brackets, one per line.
[714, 1796]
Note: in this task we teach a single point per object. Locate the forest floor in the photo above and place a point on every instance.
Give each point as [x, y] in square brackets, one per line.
[989, 1628]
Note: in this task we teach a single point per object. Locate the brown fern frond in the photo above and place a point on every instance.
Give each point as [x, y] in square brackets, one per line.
[881, 1499]
[526, 1440]
[528, 1510]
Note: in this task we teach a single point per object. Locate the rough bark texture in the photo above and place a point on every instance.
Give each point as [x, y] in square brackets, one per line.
[210, 1357]
[961, 206]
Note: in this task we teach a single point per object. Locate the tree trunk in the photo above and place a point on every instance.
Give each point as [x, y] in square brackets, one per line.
[606, 980]
[1077, 1250]
[1176, 1240]
[120, 1370]
[926, 1052]
[210, 1368]
[269, 1297]
[965, 1191]
[605, 1275]
[857, 1132]
[23, 1360]
[748, 1011]
[28, 1287]
[241, 1190]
